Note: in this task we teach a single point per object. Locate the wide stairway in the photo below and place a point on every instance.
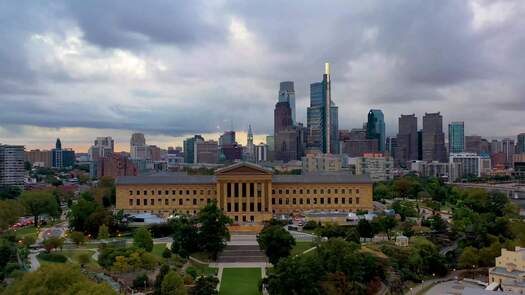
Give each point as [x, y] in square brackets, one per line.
[242, 248]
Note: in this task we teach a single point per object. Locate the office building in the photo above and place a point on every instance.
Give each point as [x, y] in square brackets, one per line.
[154, 153]
[285, 134]
[287, 94]
[206, 151]
[456, 137]
[227, 138]
[322, 117]
[509, 271]
[115, 165]
[12, 170]
[358, 144]
[376, 128]
[433, 139]
[472, 164]
[496, 146]
[270, 141]
[249, 154]
[39, 158]
[520, 146]
[245, 192]
[406, 140]
[473, 144]
[102, 146]
[391, 145]
[376, 165]
[230, 153]
[138, 148]
[319, 162]
[448, 171]
[508, 150]
[62, 158]
[189, 148]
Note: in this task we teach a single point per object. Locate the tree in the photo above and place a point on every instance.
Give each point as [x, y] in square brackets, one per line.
[38, 203]
[213, 232]
[385, 224]
[10, 210]
[141, 281]
[77, 237]
[365, 229]
[206, 286]
[276, 242]
[52, 243]
[469, 258]
[164, 270]
[172, 284]
[51, 280]
[438, 224]
[103, 232]
[84, 259]
[166, 253]
[80, 212]
[402, 187]
[142, 239]
[185, 237]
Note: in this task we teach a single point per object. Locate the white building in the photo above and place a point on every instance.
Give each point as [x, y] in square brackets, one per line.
[261, 153]
[103, 146]
[451, 171]
[471, 164]
[138, 147]
[12, 170]
[378, 166]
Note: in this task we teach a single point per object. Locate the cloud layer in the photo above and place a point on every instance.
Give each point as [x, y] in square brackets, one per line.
[172, 68]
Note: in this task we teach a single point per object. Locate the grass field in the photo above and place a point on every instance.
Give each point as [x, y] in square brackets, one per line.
[301, 246]
[203, 269]
[240, 281]
[26, 231]
[158, 249]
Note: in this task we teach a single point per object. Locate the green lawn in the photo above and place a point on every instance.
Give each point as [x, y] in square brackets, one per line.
[240, 281]
[301, 246]
[26, 231]
[158, 249]
[203, 269]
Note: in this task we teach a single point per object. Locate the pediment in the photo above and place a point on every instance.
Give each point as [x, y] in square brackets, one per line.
[243, 169]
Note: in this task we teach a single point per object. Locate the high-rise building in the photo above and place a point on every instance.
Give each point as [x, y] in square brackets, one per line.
[508, 150]
[138, 148]
[378, 166]
[287, 94]
[471, 163]
[228, 137]
[406, 140]
[318, 162]
[285, 134]
[62, 158]
[520, 146]
[206, 151]
[250, 147]
[12, 170]
[391, 145]
[261, 153]
[358, 144]
[103, 146]
[115, 165]
[473, 144]
[322, 117]
[456, 137]
[270, 141]
[154, 153]
[189, 148]
[433, 138]
[39, 158]
[376, 128]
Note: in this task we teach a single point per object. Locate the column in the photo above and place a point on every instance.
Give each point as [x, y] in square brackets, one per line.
[263, 197]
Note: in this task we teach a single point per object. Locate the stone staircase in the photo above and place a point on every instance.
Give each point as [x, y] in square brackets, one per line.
[241, 254]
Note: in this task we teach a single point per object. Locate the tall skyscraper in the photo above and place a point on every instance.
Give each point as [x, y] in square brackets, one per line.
[189, 148]
[287, 94]
[322, 117]
[375, 127]
[520, 147]
[12, 170]
[456, 137]
[285, 134]
[406, 140]
[508, 150]
[138, 148]
[57, 155]
[103, 146]
[473, 144]
[228, 137]
[250, 147]
[433, 138]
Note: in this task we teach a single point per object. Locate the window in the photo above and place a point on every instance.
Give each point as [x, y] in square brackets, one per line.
[322, 191]
[180, 202]
[180, 192]
[357, 200]
[308, 201]
[308, 191]
[251, 218]
[287, 201]
[349, 200]
[293, 201]
[202, 192]
[300, 201]
[152, 192]
[194, 192]
[236, 207]
[273, 192]
[322, 201]
[228, 190]
[194, 201]
[336, 201]
[287, 192]
[236, 190]
[145, 193]
[131, 193]
[259, 207]
[159, 201]
[159, 193]
[357, 191]
[145, 202]
[315, 201]
[137, 202]
[166, 202]
[252, 207]
[329, 200]
[202, 201]
[173, 192]
[280, 191]
[280, 201]
[342, 200]
[294, 192]
[229, 207]
[342, 191]
[273, 201]
[138, 193]
[252, 189]
[187, 192]
[315, 191]
[152, 202]
[131, 202]
[350, 191]
[243, 187]
[328, 191]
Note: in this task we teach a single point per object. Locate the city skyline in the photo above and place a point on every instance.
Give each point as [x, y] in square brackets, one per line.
[61, 75]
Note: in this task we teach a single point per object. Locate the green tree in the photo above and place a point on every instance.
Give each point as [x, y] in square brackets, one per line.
[142, 239]
[172, 284]
[80, 212]
[103, 232]
[206, 286]
[438, 224]
[10, 210]
[52, 243]
[276, 242]
[402, 187]
[77, 237]
[51, 280]
[213, 232]
[185, 237]
[385, 224]
[365, 229]
[469, 258]
[38, 203]
[164, 270]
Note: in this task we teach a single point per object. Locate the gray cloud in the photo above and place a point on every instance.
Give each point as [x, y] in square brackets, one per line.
[181, 67]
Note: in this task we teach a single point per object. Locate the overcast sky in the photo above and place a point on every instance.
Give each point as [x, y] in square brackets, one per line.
[81, 69]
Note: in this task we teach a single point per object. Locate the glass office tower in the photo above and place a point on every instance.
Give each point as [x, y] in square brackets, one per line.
[456, 137]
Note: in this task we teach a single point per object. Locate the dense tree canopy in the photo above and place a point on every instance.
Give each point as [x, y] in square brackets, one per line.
[276, 242]
[37, 203]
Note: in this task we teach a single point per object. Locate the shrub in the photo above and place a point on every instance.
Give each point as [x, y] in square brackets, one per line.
[161, 230]
[192, 271]
[310, 224]
[166, 253]
[141, 281]
[188, 280]
[52, 257]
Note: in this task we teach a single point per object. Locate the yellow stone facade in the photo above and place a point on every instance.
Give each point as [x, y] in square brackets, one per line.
[245, 192]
